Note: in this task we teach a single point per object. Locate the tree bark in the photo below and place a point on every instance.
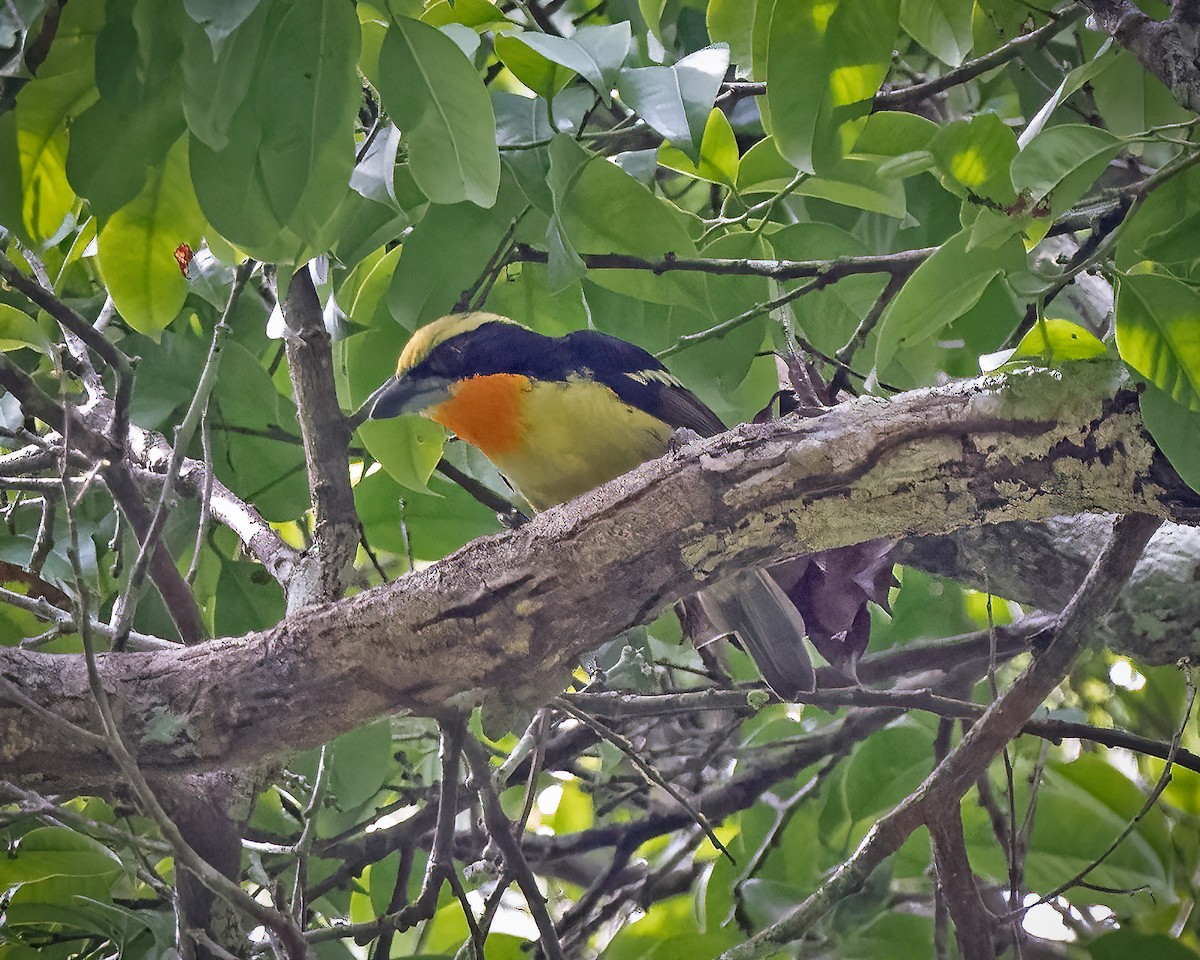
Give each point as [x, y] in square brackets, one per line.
[508, 615]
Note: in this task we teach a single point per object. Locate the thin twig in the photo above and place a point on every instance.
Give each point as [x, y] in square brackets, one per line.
[1160, 785]
[128, 601]
[93, 338]
[653, 777]
[500, 831]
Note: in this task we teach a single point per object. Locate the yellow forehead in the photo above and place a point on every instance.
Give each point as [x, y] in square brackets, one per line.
[441, 330]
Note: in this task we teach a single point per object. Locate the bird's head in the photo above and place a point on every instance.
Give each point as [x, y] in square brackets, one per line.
[439, 355]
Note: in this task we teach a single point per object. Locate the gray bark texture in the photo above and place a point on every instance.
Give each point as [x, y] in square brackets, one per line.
[508, 615]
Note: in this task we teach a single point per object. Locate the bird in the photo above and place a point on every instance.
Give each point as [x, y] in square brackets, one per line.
[559, 416]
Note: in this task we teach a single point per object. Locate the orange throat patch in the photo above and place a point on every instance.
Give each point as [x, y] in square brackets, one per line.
[486, 412]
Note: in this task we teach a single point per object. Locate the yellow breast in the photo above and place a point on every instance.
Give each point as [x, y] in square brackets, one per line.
[577, 435]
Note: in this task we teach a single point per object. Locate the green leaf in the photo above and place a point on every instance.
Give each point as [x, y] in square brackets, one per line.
[893, 133]
[113, 150]
[732, 22]
[118, 139]
[1133, 945]
[63, 89]
[1061, 163]
[1082, 807]
[306, 90]
[361, 763]
[136, 248]
[445, 253]
[940, 290]
[275, 188]
[676, 101]
[57, 852]
[1155, 230]
[1058, 340]
[974, 157]
[543, 76]
[595, 53]
[886, 768]
[825, 61]
[597, 202]
[18, 329]
[435, 523]
[652, 13]
[763, 170]
[469, 13]
[220, 18]
[1158, 334]
[943, 27]
[1175, 429]
[216, 83]
[437, 99]
[718, 153]
[855, 182]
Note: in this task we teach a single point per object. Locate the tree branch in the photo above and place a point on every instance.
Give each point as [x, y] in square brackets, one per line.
[954, 776]
[512, 612]
[1166, 48]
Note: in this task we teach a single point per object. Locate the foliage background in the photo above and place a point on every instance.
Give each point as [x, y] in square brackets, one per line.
[895, 188]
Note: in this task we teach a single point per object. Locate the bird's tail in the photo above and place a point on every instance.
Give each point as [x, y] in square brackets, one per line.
[752, 605]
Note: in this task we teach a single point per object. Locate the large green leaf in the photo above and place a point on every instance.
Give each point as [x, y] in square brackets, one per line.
[676, 100]
[1175, 429]
[943, 27]
[1132, 945]
[1158, 334]
[306, 91]
[595, 53]
[116, 141]
[974, 157]
[732, 22]
[445, 254]
[1082, 807]
[886, 768]
[215, 84]
[136, 248]
[940, 291]
[276, 185]
[432, 92]
[825, 61]
[596, 202]
[57, 852]
[35, 196]
[855, 182]
[361, 763]
[1058, 165]
[113, 149]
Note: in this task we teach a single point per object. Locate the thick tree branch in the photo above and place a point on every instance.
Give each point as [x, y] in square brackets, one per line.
[1040, 564]
[507, 615]
[326, 433]
[1167, 48]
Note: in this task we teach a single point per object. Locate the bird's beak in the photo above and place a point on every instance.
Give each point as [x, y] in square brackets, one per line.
[402, 395]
